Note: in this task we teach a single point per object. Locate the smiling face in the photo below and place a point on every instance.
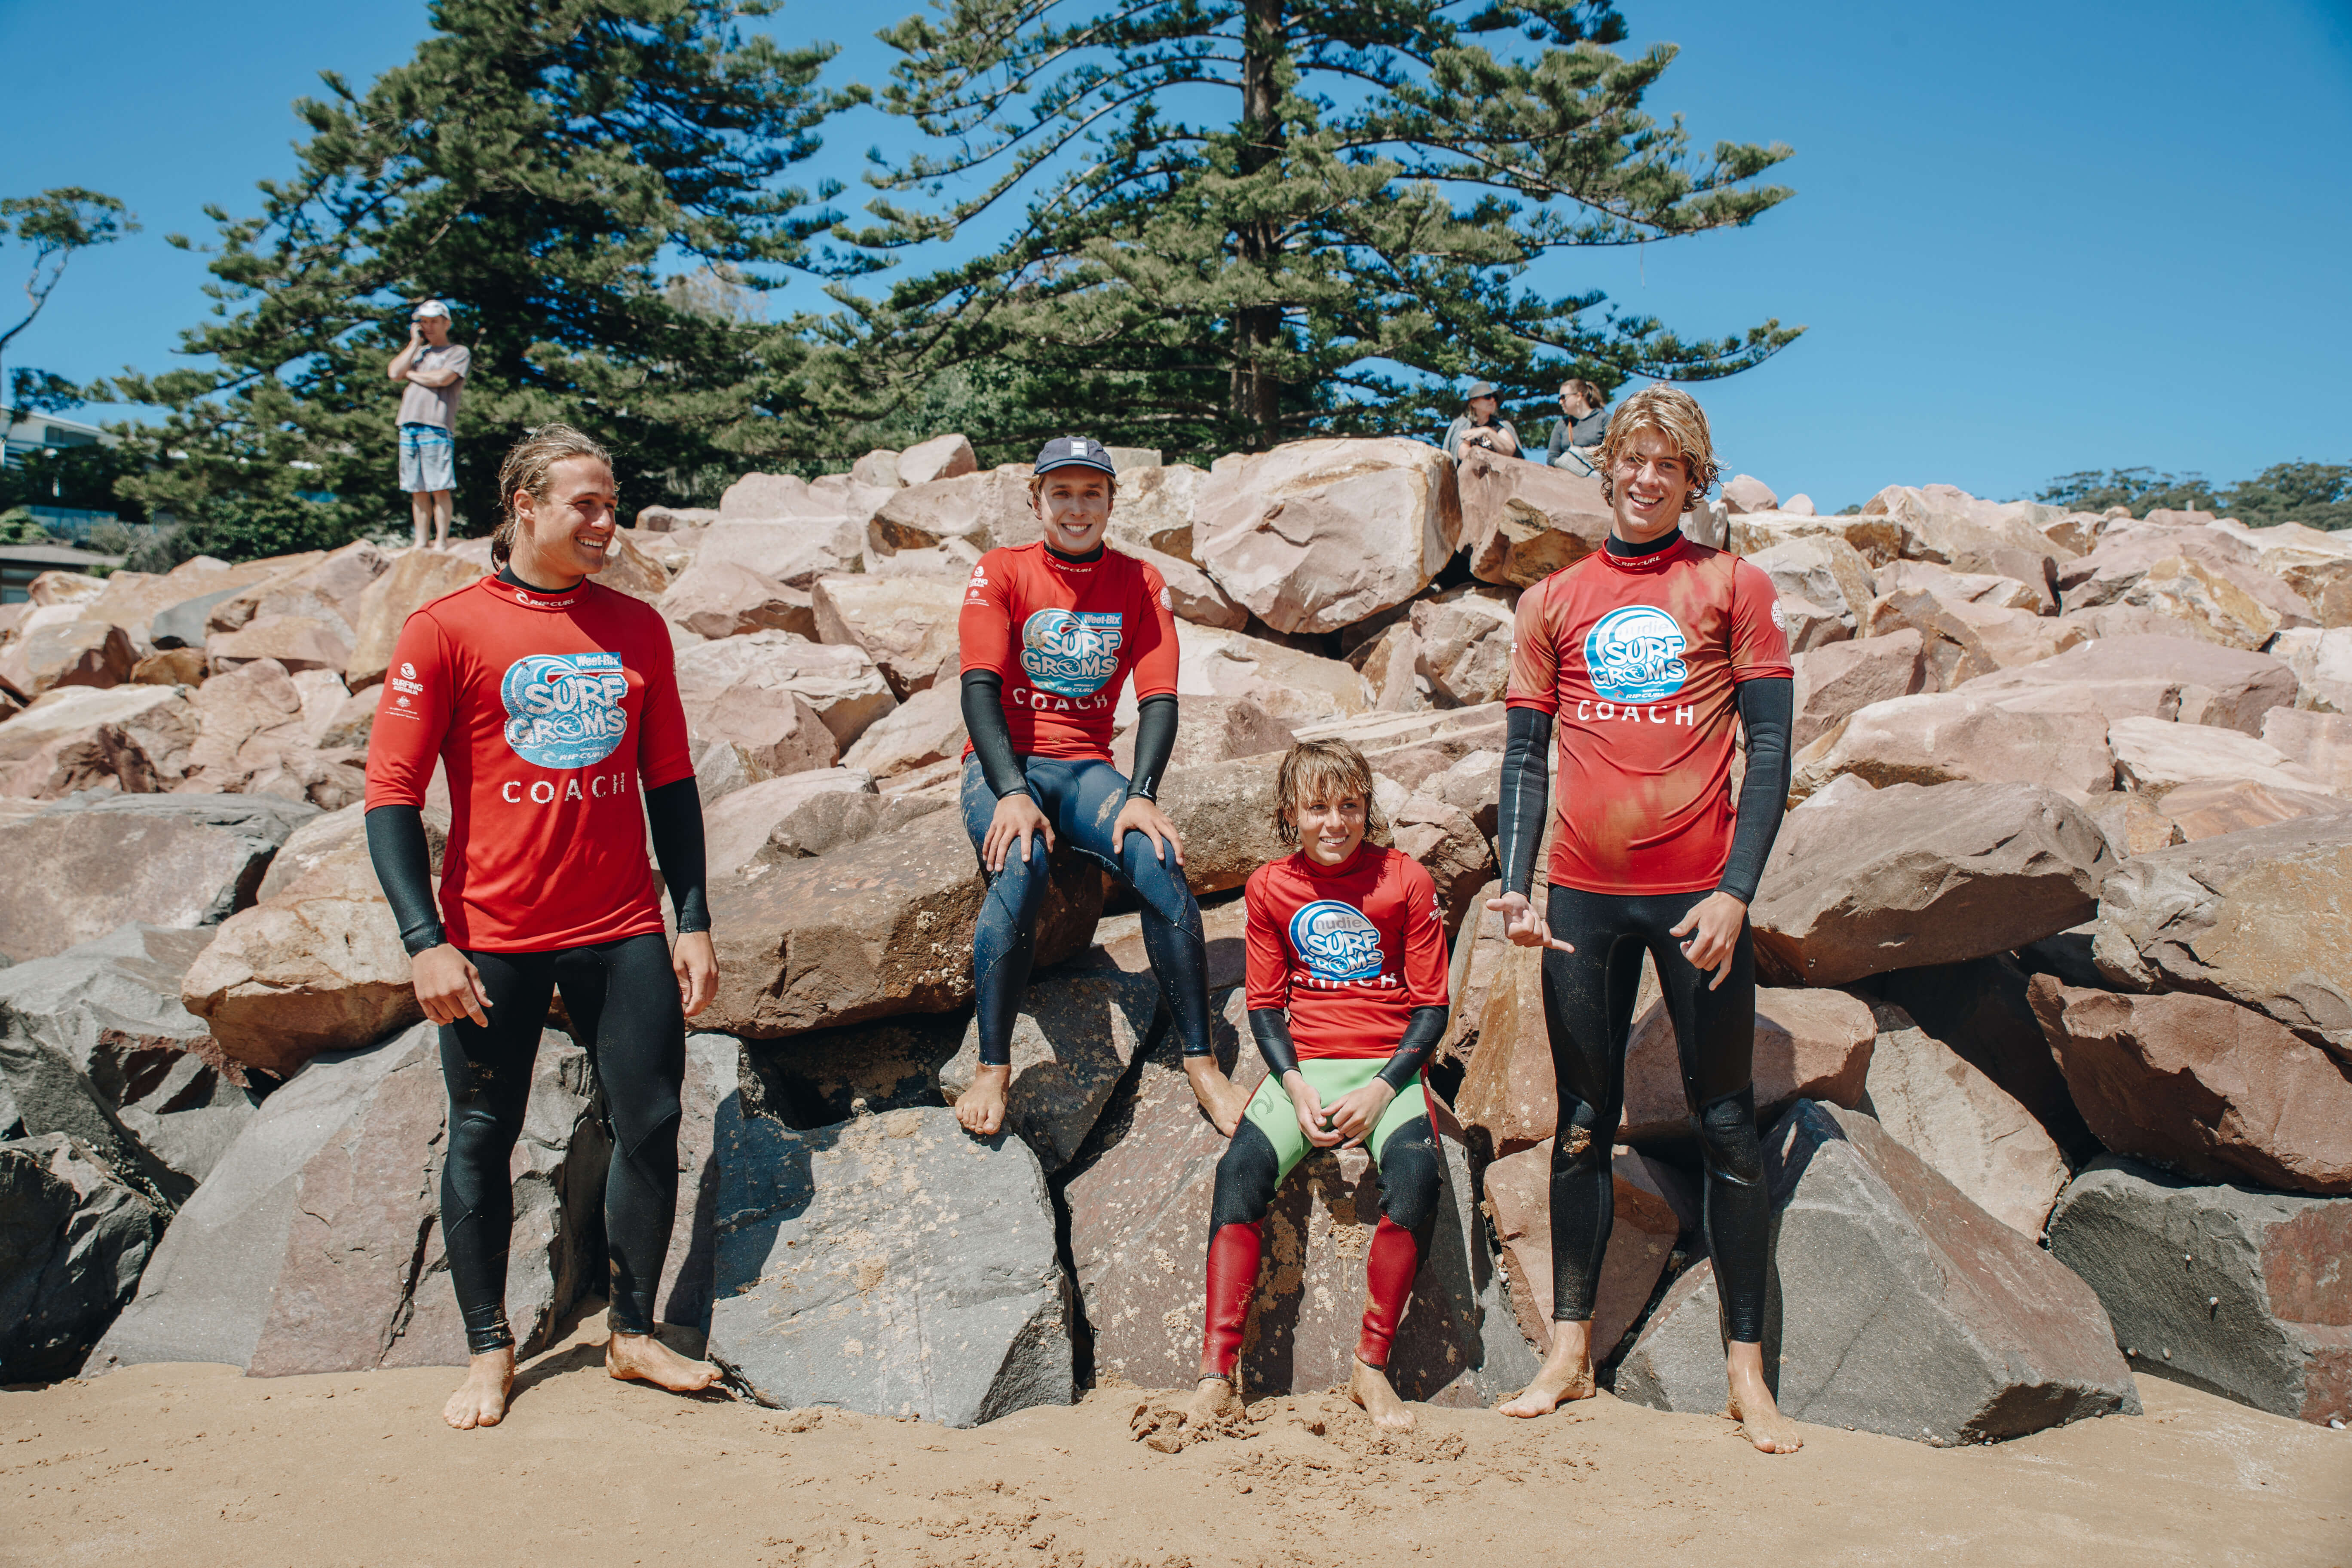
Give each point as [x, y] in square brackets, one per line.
[1330, 825]
[1483, 409]
[567, 534]
[1650, 480]
[1074, 503]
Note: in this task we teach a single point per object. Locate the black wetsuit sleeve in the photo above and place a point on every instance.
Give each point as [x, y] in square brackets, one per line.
[673, 812]
[1155, 740]
[1766, 712]
[403, 865]
[1526, 793]
[1271, 1028]
[1421, 1032]
[992, 741]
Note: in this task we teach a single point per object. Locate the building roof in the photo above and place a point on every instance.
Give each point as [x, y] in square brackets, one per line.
[63, 557]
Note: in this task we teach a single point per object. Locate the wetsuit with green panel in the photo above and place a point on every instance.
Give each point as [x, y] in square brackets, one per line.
[1346, 984]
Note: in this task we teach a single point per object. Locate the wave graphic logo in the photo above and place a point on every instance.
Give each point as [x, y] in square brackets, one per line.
[563, 710]
[1071, 653]
[1335, 940]
[1635, 655]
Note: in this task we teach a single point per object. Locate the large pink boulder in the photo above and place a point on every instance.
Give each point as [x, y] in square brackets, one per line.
[762, 691]
[1521, 522]
[907, 625]
[1908, 875]
[1810, 1044]
[1313, 535]
[1840, 679]
[716, 599]
[2207, 1086]
[2196, 682]
[414, 579]
[131, 738]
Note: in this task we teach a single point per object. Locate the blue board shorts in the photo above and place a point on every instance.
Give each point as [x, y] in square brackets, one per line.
[429, 459]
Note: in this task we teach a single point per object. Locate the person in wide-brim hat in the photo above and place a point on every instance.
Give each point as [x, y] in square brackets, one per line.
[1481, 424]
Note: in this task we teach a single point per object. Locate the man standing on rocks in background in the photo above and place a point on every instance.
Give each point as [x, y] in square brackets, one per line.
[1645, 653]
[1050, 632]
[435, 369]
[552, 703]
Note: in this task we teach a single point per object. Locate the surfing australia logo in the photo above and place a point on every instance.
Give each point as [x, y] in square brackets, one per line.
[565, 709]
[1335, 941]
[1070, 653]
[1635, 655]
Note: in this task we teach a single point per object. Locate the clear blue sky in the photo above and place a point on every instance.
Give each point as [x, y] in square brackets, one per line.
[2027, 238]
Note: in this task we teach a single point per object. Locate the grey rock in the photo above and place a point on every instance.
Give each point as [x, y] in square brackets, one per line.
[73, 1241]
[1072, 1042]
[1898, 1306]
[183, 624]
[315, 1244]
[713, 1066]
[890, 1264]
[1962, 1122]
[2233, 1289]
[93, 860]
[94, 1042]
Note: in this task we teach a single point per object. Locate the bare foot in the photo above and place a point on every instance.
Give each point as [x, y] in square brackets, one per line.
[643, 1357]
[1369, 1387]
[981, 1108]
[1752, 1404]
[1219, 1096]
[481, 1399]
[1214, 1399]
[1566, 1374]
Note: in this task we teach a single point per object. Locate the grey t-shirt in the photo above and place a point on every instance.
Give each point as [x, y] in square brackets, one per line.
[436, 405]
[1585, 432]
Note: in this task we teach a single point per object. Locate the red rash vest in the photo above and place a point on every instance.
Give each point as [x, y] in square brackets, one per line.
[1065, 635]
[550, 711]
[1636, 659]
[1350, 950]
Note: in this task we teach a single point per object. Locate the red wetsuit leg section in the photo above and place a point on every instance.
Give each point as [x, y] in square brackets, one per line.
[1389, 1264]
[1233, 1256]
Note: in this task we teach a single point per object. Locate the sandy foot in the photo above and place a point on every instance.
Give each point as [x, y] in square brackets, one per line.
[644, 1358]
[1214, 1400]
[981, 1108]
[1369, 1387]
[481, 1399]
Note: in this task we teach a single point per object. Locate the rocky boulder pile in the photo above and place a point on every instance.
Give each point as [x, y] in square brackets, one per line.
[2056, 979]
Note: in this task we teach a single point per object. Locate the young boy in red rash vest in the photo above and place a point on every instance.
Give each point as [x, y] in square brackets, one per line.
[1346, 999]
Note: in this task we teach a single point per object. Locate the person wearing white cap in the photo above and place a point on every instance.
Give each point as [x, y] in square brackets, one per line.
[434, 371]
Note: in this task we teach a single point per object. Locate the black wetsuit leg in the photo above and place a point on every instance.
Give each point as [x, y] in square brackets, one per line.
[1589, 1013]
[624, 1004]
[487, 1071]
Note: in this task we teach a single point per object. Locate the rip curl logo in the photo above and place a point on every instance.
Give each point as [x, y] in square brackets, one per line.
[563, 710]
[1635, 655]
[1070, 653]
[1335, 942]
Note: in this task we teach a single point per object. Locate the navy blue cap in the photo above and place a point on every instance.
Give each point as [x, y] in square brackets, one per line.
[1073, 452]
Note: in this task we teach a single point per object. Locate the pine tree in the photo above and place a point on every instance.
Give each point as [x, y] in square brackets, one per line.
[1355, 213]
[538, 164]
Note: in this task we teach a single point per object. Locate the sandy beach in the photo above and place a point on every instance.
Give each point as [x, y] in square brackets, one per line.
[198, 1465]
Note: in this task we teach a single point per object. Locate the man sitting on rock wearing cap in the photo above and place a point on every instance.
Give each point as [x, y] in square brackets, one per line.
[1481, 424]
[435, 369]
[1051, 631]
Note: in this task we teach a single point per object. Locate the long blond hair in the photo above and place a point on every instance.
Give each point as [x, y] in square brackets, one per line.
[526, 469]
